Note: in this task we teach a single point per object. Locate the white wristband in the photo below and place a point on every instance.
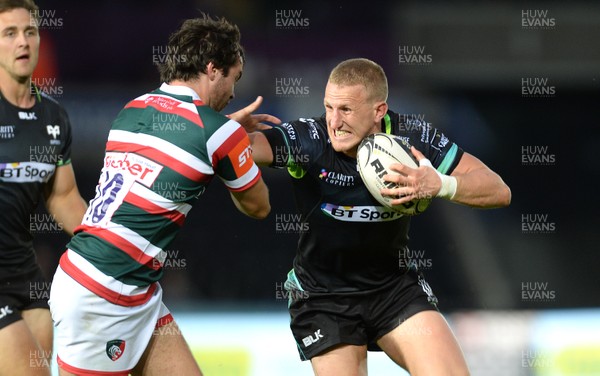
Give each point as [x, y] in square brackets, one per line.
[449, 183]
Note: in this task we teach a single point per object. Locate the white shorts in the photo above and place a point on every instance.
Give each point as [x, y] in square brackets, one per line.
[94, 336]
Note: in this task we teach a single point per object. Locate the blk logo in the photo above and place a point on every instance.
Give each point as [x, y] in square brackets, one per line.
[312, 338]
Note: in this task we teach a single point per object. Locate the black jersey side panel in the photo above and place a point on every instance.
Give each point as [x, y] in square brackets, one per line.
[33, 143]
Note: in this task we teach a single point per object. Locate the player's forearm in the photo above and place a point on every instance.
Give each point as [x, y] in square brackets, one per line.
[67, 210]
[253, 202]
[481, 188]
[261, 149]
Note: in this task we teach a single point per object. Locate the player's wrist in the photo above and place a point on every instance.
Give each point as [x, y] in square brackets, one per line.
[448, 183]
[449, 186]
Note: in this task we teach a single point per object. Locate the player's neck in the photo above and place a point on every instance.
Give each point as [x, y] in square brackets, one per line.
[192, 84]
[15, 91]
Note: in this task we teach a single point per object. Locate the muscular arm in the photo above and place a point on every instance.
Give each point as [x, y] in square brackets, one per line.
[253, 202]
[261, 149]
[63, 200]
[477, 185]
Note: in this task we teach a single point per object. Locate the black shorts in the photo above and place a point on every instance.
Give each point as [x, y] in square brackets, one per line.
[27, 292]
[322, 320]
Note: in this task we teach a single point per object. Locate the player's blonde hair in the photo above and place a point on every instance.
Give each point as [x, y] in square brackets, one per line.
[361, 71]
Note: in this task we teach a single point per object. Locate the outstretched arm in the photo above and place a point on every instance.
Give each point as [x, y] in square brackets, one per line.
[253, 202]
[250, 121]
[262, 153]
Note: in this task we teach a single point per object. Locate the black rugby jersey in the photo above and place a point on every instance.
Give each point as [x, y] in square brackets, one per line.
[33, 142]
[349, 241]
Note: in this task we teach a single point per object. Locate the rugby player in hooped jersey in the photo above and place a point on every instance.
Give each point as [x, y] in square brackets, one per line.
[105, 299]
[35, 152]
[348, 293]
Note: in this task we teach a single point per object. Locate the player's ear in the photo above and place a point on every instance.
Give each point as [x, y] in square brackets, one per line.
[381, 109]
[211, 71]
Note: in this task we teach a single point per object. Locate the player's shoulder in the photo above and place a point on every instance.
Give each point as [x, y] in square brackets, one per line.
[212, 118]
[403, 124]
[52, 108]
[310, 128]
[48, 100]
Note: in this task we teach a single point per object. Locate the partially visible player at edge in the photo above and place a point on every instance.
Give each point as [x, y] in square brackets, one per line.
[349, 289]
[35, 163]
[106, 301]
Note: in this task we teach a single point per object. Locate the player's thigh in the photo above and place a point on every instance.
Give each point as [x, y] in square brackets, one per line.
[167, 354]
[19, 352]
[39, 322]
[425, 345]
[62, 372]
[347, 360]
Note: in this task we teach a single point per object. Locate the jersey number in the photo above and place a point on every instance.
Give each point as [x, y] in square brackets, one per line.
[105, 196]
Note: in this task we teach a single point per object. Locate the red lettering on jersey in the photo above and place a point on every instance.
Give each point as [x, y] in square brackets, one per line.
[167, 105]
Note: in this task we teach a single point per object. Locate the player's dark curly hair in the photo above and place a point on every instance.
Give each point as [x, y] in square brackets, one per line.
[6, 5]
[198, 42]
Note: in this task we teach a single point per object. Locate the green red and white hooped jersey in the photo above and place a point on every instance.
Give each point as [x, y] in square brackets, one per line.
[163, 149]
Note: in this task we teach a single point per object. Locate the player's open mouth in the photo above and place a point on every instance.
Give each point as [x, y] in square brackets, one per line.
[23, 57]
[340, 133]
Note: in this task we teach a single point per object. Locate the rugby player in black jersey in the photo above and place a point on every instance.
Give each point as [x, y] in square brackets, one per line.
[35, 147]
[348, 291]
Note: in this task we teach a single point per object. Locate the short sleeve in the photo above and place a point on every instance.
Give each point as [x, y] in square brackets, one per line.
[432, 142]
[232, 157]
[296, 143]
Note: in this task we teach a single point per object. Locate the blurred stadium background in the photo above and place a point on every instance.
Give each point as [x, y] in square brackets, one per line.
[516, 84]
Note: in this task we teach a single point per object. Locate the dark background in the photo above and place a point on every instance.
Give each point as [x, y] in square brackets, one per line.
[102, 57]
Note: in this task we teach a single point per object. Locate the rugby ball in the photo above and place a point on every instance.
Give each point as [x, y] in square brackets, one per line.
[375, 154]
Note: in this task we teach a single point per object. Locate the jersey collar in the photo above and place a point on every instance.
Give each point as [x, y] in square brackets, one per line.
[179, 90]
[386, 123]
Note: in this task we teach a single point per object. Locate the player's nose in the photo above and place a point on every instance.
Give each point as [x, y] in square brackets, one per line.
[335, 120]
